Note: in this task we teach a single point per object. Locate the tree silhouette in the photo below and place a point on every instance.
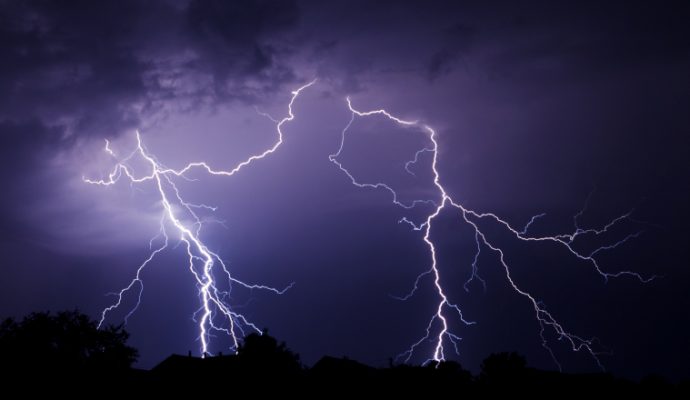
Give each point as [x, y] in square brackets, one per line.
[503, 369]
[67, 341]
[262, 351]
[453, 370]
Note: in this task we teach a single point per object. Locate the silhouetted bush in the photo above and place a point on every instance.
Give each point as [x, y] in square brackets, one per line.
[63, 342]
[263, 352]
[503, 369]
[452, 370]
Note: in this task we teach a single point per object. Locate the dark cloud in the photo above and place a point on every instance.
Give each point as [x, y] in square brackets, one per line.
[459, 39]
[239, 23]
[97, 67]
[540, 39]
[70, 63]
[240, 40]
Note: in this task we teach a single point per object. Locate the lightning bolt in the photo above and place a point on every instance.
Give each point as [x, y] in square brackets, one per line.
[212, 276]
[437, 330]
[215, 314]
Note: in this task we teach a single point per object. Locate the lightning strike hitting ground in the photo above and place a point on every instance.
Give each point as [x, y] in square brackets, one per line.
[207, 267]
[437, 331]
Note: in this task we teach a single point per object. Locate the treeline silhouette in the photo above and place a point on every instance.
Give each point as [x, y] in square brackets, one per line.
[56, 346]
[67, 341]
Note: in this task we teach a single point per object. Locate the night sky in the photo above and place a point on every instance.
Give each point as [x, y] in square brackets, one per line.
[537, 106]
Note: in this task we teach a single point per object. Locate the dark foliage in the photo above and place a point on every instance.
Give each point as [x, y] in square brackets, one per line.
[69, 344]
[63, 342]
[503, 369]
[263, 352]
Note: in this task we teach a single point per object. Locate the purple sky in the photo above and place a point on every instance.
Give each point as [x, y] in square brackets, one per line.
[535, 105]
